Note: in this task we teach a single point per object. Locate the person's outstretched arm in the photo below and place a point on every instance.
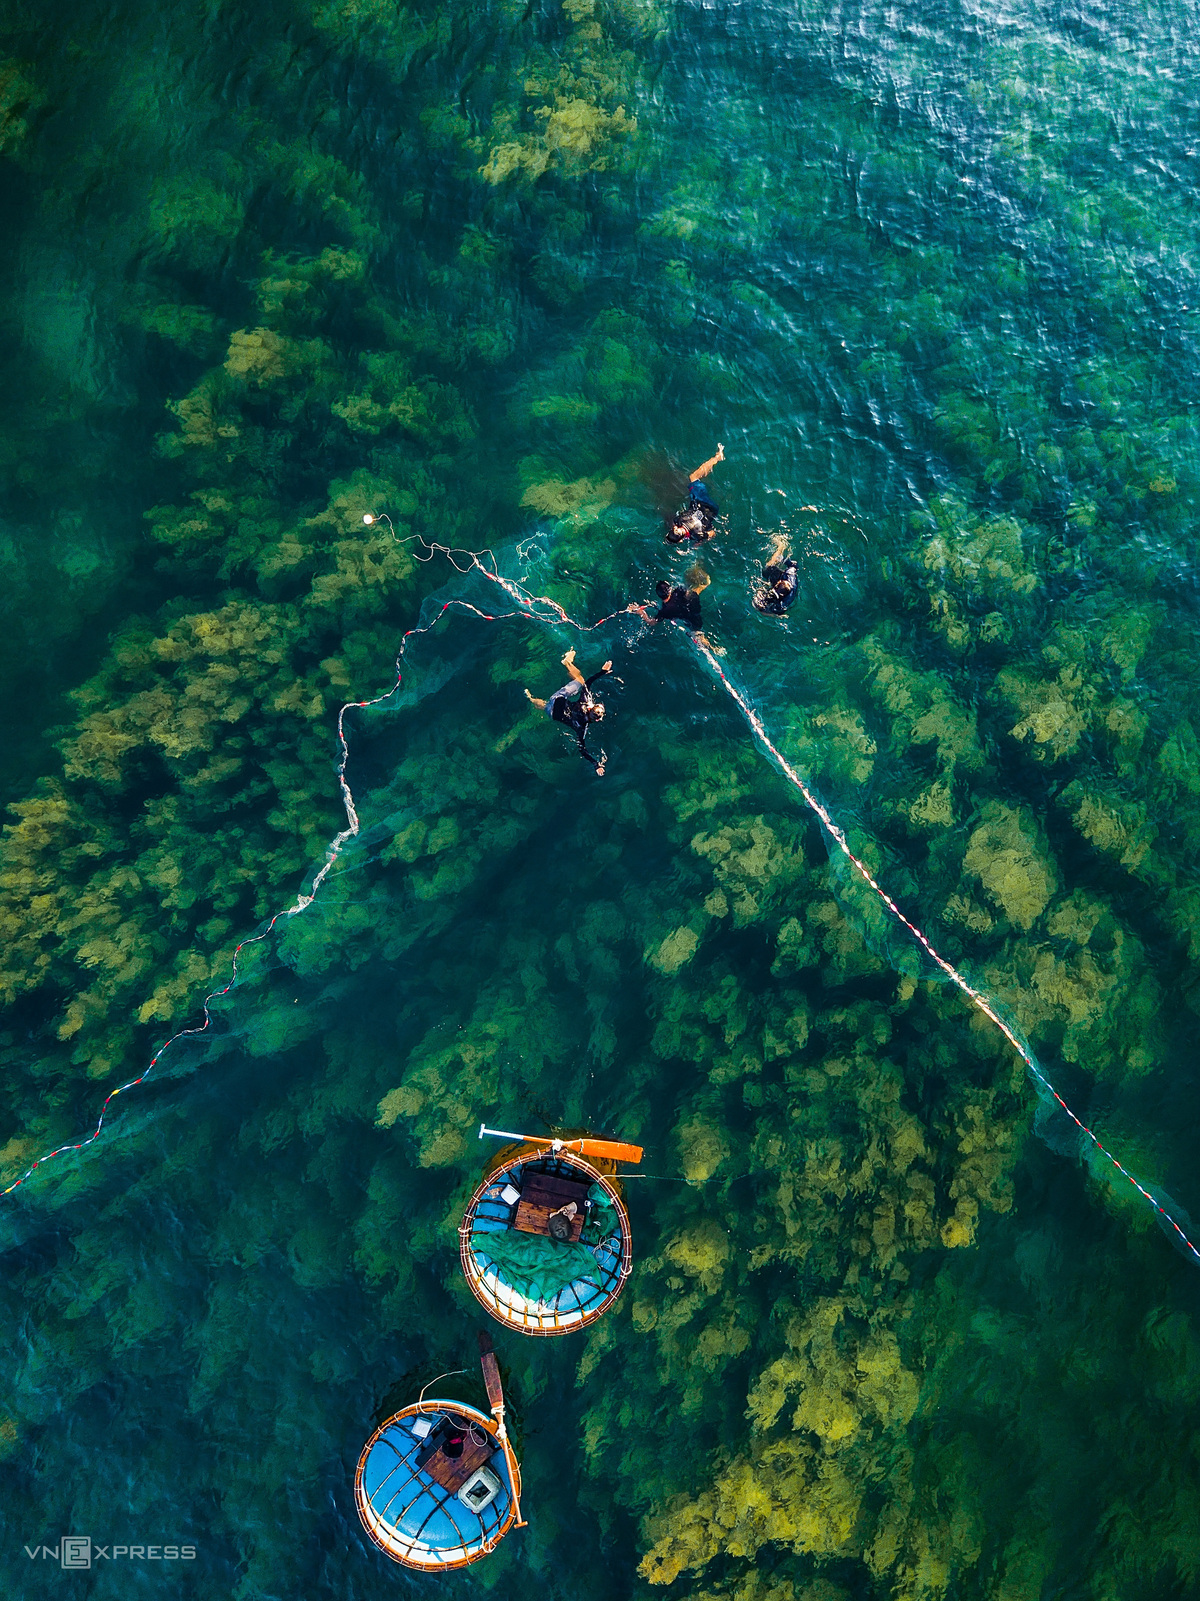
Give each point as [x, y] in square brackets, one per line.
[706, 467]
[588, 682]
[580, 736]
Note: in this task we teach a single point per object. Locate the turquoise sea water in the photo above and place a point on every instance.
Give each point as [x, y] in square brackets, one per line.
[507, 274]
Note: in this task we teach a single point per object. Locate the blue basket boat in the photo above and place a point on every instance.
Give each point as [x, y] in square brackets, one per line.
[437, 1485]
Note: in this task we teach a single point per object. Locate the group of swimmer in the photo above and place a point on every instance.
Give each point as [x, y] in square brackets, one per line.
[574, 705]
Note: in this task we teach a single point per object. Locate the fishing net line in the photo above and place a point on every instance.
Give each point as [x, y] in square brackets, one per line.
[1053, 1108]
[880, 918]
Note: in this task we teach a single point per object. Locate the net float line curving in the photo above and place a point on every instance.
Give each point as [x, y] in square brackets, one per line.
[525, 604]
[976, 997]
[557, 615]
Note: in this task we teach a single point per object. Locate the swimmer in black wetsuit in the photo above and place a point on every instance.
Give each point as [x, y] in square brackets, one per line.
[779, 590]
[682, 605]
[679, 605]
[575, 706]
[696, 520]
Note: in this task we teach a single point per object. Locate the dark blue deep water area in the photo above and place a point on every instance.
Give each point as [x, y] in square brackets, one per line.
[335, 329]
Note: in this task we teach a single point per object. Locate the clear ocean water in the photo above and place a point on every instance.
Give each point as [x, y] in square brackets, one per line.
[504, 274]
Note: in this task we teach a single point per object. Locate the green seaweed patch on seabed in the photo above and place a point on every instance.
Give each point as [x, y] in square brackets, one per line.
[229, 706]
[843, 1131]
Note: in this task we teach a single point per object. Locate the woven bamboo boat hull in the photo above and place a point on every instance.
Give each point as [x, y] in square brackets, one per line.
[415, 1520]
[488, 1216]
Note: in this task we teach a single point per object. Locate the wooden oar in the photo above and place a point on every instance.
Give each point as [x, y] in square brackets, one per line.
[606, 1150]
[491, 1378]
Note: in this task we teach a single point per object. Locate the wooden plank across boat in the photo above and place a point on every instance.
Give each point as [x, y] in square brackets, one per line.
[545, 1242]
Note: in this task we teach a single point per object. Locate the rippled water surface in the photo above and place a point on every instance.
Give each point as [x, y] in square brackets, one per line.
[506, 274]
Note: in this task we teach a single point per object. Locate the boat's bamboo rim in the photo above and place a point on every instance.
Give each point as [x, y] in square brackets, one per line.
[374, 1524]
[552, 1322]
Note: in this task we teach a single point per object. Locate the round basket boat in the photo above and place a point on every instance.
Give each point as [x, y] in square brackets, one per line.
[533, 1279]
[435, 1486]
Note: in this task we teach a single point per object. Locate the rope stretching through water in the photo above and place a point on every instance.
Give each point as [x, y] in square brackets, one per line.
[525, 603]
[527, 606]
[976, 997]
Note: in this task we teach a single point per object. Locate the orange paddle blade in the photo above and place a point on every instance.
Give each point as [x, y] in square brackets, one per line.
[606, 1150]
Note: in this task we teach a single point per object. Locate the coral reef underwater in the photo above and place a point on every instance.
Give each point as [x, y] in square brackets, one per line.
[497, 271]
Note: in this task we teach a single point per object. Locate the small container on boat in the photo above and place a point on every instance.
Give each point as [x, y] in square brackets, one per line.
[545, 1242]
[438, 1485]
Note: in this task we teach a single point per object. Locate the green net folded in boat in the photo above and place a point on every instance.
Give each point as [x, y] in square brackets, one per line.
[536, 1266]
[602, 1219]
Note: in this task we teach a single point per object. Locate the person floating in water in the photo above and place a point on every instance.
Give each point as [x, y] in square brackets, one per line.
[681, 604]
[780, 581]
[697, 518]
[576, 706]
